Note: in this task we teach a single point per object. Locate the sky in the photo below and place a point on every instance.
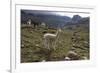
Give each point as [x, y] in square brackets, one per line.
[70, 14]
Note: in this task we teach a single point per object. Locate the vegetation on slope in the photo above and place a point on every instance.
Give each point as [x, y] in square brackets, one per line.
[33, 50]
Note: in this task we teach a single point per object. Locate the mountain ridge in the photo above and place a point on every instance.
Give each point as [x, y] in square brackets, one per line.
[53, 20]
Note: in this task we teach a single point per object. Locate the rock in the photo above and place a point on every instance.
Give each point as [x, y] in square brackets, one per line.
[22, 45]
[73, 55]
[85, 42]
[37, 45]
[67, 58]
[85, 58]
[73, 44]
[73, 48]
[43, 60]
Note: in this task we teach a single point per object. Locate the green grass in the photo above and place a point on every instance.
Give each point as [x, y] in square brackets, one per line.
[32, 47]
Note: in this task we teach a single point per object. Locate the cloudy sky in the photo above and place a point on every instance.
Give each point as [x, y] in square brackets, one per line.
[67, 13]
[71, 14]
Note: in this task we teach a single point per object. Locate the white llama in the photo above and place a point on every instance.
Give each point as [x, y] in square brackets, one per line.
[43, 24]
[29, 22]
[51, 39]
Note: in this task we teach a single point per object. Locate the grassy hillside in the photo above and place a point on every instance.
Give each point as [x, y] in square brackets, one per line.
[33, 50]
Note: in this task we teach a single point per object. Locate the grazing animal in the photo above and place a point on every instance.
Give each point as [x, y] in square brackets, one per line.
[35, 24]
[43, 24]
[50, 39]
[29, 22]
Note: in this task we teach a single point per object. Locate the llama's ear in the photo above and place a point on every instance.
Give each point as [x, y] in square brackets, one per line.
[60, 30]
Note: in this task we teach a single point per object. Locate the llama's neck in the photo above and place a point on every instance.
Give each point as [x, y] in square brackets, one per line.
[57, 33]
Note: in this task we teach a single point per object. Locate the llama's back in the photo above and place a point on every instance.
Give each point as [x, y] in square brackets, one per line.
[49, 35]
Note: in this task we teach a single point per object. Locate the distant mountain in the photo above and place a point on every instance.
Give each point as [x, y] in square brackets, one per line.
[78, 22]
[76, 18]
[51, 19]
[85, 20]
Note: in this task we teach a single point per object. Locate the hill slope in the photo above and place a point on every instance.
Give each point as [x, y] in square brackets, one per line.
[32, 47]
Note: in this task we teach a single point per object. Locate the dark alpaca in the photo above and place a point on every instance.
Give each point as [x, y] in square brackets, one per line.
[35, 24]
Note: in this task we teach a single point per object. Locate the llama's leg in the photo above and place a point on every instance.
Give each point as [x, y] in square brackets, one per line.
[48, 44]
[54, 44]
[34, 25]
[45, 43]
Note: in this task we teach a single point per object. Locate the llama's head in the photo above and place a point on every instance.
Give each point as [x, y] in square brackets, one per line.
[59, 30]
